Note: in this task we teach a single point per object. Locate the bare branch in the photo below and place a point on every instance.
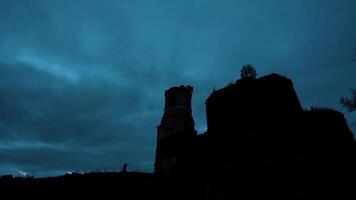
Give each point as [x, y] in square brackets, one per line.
[349, 103]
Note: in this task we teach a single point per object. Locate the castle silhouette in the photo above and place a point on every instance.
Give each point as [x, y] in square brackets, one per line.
[258, 136]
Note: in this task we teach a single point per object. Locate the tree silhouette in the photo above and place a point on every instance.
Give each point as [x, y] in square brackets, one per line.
[349, 103]
[248, 72]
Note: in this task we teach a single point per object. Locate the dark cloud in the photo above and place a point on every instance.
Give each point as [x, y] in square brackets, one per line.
[93, 118]
[82, 82]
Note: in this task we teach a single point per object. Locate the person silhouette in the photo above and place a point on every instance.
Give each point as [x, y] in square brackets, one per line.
[124, 168]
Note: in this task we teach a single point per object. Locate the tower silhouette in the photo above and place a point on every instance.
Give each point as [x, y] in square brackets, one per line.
[176, 129]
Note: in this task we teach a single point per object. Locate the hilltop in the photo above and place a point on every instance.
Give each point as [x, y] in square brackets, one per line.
[260, 143]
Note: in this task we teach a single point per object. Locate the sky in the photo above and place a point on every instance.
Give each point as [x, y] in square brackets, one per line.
[82, 82]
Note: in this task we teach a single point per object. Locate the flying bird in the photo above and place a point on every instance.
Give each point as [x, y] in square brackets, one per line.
[148, 75]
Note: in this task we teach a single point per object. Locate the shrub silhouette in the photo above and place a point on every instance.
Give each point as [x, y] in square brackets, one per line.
[248, 72]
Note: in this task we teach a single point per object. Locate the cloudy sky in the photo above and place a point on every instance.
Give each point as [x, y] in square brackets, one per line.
[82, 82]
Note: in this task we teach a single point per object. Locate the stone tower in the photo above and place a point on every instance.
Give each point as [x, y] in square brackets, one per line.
[175, 131]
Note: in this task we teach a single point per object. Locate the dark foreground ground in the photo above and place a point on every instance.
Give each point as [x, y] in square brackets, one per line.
[131, 185]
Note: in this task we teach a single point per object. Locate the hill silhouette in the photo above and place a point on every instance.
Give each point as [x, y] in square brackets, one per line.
[260, 143]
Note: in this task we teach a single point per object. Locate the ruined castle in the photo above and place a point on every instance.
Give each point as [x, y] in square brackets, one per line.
[260, 144]
[255, 126]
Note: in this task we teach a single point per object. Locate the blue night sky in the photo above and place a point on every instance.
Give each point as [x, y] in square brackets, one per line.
[82, 82]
